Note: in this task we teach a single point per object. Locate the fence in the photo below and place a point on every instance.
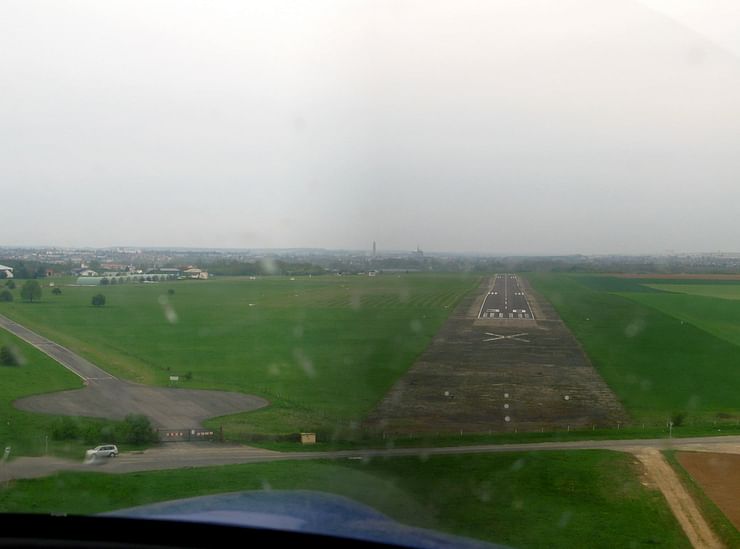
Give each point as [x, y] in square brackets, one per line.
[187, 435]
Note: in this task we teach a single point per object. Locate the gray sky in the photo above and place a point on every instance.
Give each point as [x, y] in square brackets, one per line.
[503, 127]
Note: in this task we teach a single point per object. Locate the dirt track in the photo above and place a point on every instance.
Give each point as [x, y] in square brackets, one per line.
[679, 500]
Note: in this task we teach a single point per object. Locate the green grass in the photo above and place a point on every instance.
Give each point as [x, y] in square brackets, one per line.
[722, 291]
[656, 362]
[718, 522]
[323, 350]
[546, 499]
[26, 433]
[711, 308]
[325, 444]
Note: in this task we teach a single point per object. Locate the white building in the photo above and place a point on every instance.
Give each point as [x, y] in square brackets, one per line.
[6, 271]
[196, 273]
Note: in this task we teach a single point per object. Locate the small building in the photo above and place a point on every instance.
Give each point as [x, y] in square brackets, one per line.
[308, 438]
[84, 272]
[89, 281]
[6, 272]
[165, 271]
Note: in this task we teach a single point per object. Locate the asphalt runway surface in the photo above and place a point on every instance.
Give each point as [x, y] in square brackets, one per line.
[506, 300]
[105, 396]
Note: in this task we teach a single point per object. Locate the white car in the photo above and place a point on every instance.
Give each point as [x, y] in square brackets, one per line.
[107, 450]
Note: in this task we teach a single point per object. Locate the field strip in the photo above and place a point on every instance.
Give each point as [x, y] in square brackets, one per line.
[679, 500]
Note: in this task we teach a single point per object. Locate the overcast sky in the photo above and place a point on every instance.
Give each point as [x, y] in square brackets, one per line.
[503, 127]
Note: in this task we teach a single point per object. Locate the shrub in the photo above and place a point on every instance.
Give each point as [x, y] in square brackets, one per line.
[65, 428]
[57, 291]
[137, 429]
[678, 418]
[10, 284]
[9, 356]
[171, 291]
[98, 300]
[6, 295]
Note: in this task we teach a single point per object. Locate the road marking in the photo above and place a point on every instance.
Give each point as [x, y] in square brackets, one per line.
[517, 337]
[480, 313]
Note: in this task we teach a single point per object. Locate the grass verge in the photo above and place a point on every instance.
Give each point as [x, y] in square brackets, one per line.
[541, 499]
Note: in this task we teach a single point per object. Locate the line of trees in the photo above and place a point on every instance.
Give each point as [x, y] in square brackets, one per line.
[134, 429]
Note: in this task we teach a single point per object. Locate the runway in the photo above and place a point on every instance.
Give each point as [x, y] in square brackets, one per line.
[506, 300]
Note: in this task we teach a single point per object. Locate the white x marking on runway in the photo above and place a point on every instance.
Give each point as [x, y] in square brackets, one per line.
[496, 337]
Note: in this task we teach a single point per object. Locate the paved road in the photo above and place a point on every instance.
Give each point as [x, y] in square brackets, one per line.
[506, 300]
[78, 365]
[108, 397]
[180, 455]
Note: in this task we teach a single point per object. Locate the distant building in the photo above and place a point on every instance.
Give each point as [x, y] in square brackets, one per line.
[6, 272]
[114, 267]
[84, 272]
[195, 273]
[165, 271]
[89, 281]
[374, 249]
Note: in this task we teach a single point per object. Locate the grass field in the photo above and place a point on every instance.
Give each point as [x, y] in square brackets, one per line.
[661, 352]
[713, 308]
[323, 350]
[24, 432]
[546, 499]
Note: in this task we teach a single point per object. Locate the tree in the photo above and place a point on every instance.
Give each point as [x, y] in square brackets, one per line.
[5, 295]
[98, 300]
[31, 290]
[105, 282]
[57, 291]
[10, 284]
